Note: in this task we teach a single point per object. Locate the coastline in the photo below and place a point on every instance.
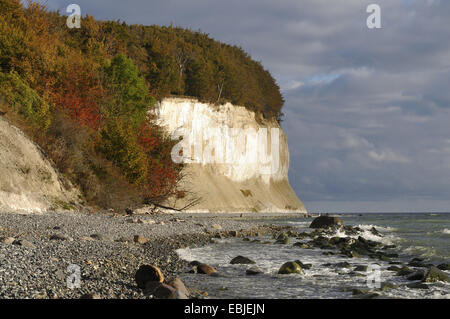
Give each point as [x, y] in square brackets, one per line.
[104, 248]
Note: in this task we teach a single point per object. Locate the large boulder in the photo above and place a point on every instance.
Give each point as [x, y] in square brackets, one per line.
[179, 286]
[325, 222]
[433, 274]
[241, 260]
[148, 273]
[290, 267]
[206, 269]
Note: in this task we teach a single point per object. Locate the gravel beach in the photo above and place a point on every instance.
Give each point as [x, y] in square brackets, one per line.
[37, 249]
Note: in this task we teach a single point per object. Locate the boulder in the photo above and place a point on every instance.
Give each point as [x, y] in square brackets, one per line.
[360, 268]
[148, 273]
[179, 286]
[290, 267]
[444, 267]
[165, 291]
[206, 269]
[417, 285]
[404, 271]
[434, 274]
[418, 275]
[325, 222]
[283, 239]
[253, 271]
[343, 265]
[304, 266]
[241, 260]
[387, 285]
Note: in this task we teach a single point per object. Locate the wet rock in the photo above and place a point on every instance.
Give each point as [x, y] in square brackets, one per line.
[387, 285]
[360, 268]
[283, 239]
[304, 266]
[290, 267]
[241, 260]
[368, 296]
[302, 245]
[234, 233]
[342, 265]
[418, 275]
[375, 232]
[206, 269]
[417, 285]
[434, 274]
[325, 222]
[292, 233]
[148, 273]
[195, 263]
[350, 253]
[358, 291]
[253, 271]
[404, 271]
[444, 267]
[417, 263]
[394, 268]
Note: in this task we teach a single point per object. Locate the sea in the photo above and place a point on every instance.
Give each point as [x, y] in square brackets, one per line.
[416, 235]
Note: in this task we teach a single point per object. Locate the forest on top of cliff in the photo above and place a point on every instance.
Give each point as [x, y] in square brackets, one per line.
[83, 95]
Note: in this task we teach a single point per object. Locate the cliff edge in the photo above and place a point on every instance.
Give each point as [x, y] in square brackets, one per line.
[28, 182]
[235, 161]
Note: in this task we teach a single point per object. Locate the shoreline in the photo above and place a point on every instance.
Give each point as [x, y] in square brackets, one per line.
[103, 246]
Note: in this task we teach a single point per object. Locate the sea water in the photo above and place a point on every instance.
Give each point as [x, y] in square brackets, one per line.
[424, 235]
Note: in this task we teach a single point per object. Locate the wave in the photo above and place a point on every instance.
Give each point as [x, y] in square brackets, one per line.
[422, 251]
[444, 231]
[379, 228]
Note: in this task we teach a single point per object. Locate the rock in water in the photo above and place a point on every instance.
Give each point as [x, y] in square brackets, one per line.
[325, 222]
[148, 273]
[206, 269]
[253, 271]
[444, 267]
[241, 260]
[433, 274]
[290, 267]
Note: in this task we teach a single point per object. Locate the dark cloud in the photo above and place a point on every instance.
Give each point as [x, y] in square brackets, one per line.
[368, 111]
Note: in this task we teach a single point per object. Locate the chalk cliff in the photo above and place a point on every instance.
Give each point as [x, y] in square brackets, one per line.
[236, 162]
[28, 182]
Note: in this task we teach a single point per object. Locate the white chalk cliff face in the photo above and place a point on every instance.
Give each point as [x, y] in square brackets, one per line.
[28, 182]
[234, 161]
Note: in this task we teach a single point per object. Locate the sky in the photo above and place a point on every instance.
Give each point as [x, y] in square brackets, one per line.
[367, 111]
